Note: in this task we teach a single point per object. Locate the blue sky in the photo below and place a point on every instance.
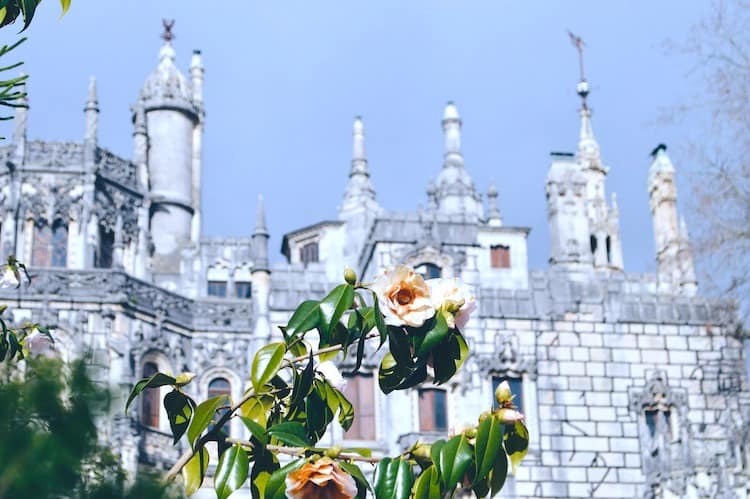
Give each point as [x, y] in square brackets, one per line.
[285, 79]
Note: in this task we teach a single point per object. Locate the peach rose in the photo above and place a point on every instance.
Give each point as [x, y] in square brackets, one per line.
[449, 296]
[404, 297]
[322, 479]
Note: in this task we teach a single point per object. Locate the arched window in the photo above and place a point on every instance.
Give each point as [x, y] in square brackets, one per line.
[50, 245]
[360, 391]
[309, 253]
[433, 410]
[103, 257]
[429, 270]
[150, 399]
[218, 387]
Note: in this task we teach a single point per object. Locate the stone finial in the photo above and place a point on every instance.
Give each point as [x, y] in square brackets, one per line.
[359, 193]
[91, 110]
[452, 129]
[432, 201]
[493, 217]
[358, 143]
[196, 76]
[260, 238]
[260, 219]
[20, 124]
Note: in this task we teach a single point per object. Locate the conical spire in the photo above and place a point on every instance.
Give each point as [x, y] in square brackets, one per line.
[359, 192]
[456, 194]
[260, 219]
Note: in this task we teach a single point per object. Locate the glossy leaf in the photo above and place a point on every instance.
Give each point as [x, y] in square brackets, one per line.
[305, 318]
[256, 408]
[276, 485]
[266, 364]
[398, 343]
[303, 382]
[291, 433]
[516, 443]
[179, 409]
[203, 415]
[346, 411]
[455, 457]
[231, 472]
[488, 444]
[437, 334]
[194, 471]
[499, 473]
[393, 479]
[155, 381]
[256, 430]
[427, 485]
[333, 306]
[379, 319]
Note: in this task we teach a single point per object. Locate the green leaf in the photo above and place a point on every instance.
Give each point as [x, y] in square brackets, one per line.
[346, 411]
[319, 415]
[65, 4]
[194, 471]
[359, 478]
[179, 409]
[303, 382]
[291, 433]
[455, 458]
[437, 334]
[390, 373]
[266, 364]
[379, 320]
[305, 318]
[488, 444]
[333, 306]
[463, 349]
[257, 430]
[155, 381]
[276, 485]
[393, 479]
[499, 473]
[427, 485]
[231, 472]
[516, 443]
[257, 407]
[203, 416]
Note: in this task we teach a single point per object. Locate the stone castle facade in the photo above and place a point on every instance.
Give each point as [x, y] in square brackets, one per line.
[633, 385]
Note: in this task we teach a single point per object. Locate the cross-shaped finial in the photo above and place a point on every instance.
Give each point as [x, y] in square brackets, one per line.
[577, 41]
[168, 36]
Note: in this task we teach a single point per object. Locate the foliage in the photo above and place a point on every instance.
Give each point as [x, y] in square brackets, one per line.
[292, 400]
[719, 47]
[11, 10]
[48, 437]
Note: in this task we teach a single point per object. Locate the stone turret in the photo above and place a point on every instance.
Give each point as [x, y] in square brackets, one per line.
[172, 118]
[359, 208]
[663, 202]
[456, 194]
[261, 275]
[566, 214]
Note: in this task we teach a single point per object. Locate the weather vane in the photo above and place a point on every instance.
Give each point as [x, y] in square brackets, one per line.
[583, 86]
[168, 36]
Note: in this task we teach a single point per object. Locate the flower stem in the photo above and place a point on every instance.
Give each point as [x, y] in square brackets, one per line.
[301, 451]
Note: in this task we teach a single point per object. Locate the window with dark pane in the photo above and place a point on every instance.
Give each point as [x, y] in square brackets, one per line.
[429, 270]
[433, 410]
[59, 256]
[360, 391]
[218, 387]
[516, 388]
[243, 289]
[500, 256]
[103, 257]
[217, 288]
[150, 399]
[309, 253]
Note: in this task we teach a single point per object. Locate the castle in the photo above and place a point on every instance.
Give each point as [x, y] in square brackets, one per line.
[633, 385]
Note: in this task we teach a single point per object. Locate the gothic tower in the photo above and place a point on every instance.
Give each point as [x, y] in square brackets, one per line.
[172, 108]
[674, 258]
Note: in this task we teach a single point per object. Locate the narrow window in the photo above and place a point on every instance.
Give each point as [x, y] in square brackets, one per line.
[217, 288]
[218, 387]
[103, 256]
[59, 244]
[309, 253]
[150, 399]
[500, 256]
[433, 410]
[360, 390]
[593, 243]
[41, 254]
[516, 388]
[609, 249]
[429, 270]
[243, 289]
